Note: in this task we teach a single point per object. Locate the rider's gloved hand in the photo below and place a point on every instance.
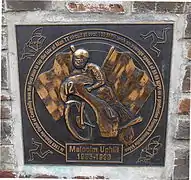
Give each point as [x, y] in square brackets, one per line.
[89, 89]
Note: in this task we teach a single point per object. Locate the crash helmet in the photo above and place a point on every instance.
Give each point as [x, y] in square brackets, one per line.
[80, 58]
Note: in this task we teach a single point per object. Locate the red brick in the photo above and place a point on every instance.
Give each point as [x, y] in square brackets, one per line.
[184, 107]
[116, 8]
[7, 155]
[100, 177]
[81, 177]
[5, 110]
[181, 172]
[4, 68]
[24, 176]
[94, 7]
[189, 53]
[4, 38]
[170, 7]
[187, 8]
[24, 5]
[6, 132]
[4, 20]
[3, 5]
[5, 96]
[186, 80]
[183, 129]
[188, 27]
[144, 6]
[45, 176]
[7, 174]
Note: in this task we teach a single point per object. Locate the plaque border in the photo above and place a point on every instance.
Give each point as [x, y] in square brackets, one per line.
[116, 43]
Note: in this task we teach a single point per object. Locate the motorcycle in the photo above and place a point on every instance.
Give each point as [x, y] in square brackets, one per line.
[78, 99]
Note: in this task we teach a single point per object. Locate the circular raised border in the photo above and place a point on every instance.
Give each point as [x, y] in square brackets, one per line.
[73, 34]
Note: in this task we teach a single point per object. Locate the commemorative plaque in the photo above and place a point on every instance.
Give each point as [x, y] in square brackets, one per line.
[94, 94]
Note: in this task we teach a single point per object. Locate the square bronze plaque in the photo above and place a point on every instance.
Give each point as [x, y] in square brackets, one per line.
[94, 94]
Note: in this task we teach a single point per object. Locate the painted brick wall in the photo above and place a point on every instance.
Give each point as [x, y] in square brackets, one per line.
[178, 129]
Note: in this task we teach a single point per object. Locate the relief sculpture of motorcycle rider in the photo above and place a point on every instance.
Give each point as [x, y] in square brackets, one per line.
[110, 106]
[81, 65]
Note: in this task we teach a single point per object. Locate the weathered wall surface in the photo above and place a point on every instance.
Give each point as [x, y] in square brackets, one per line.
[63, 12]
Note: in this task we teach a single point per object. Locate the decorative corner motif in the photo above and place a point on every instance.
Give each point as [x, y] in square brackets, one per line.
[34, 44]
[150, 150]
[156, 39]
[38, 151]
